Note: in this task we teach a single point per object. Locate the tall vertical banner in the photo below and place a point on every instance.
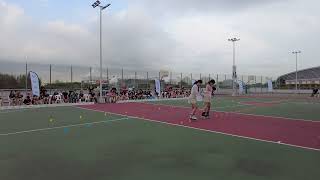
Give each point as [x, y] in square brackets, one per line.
[240, 87]
[270, 86]
[158, 86]
[35, 85]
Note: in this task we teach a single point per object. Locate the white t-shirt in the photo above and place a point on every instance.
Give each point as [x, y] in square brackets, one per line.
[194, 92]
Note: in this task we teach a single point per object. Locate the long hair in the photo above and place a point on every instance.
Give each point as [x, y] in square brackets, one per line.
[212, 81]
[199, 81]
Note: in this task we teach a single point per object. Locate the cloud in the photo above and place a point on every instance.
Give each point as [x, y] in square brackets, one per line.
[130, 39]
[200, 6]
[183, 36]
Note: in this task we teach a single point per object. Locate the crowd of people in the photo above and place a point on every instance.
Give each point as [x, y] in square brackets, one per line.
[16, 98]
[114, 96]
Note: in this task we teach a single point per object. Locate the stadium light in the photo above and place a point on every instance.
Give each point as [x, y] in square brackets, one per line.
[234, 67]
[296, 53]
[94, 5]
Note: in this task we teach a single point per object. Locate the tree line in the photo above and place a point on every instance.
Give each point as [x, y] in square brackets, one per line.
[8, 81]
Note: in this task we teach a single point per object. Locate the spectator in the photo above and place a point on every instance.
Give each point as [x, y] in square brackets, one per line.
[27, 101]
[43, 95]
[113, 95]
[35, 100]
[92, 94]
[315, 92]
[12, 97]
[53, 97]
[65, 96]
[81, 96]
[18, 98]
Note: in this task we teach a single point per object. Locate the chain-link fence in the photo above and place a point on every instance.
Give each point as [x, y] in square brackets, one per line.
[77, 77]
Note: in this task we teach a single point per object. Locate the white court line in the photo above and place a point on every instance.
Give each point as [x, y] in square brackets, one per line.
[239, 105]
[211, 131]
[12, 111]
[219, 107]
[60, 127]
[150, 100]
[42, 106]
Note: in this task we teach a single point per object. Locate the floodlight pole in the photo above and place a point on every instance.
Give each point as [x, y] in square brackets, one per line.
[26, 82]
[234, 67]
[97, 4]
[296, 53]
[101, 55]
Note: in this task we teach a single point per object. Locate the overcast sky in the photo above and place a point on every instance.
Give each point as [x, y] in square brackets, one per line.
[177, 35]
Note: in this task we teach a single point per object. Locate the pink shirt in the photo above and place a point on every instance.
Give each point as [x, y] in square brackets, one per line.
[208, 91]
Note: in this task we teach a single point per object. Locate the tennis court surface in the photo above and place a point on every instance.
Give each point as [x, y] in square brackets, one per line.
[246, 138]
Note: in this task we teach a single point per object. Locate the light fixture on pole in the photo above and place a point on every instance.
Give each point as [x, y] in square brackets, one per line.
[234, 67]
[94, 5]
[296, 53]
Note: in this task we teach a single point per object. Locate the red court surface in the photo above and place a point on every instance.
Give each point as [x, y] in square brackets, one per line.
[298, 133]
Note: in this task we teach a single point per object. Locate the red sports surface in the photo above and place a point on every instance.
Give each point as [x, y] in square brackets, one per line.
[299, 133]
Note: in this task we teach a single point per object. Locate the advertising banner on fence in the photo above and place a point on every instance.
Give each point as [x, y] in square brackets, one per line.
[270, 86]
[158, 86]
[240, 87]
[35, 85]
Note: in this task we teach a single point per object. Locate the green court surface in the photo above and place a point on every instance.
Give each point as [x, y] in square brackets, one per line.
[66, 143]
[304, 109]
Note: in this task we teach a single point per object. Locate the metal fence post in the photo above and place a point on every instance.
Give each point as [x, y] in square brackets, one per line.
[107, 74]
[26, 88]
[122, 80]
[181, 82]
[255, 84]
[135, 80]
[217, 82]
[261, 84]
[90, 75]
[71, 74]
[50, 78]
[148, 83]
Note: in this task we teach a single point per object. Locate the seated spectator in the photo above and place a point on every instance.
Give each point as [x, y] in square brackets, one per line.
[65, 96]
[73, 97]
[18, 98]
[43, 95]
[140, 94]
[113, 95]
[27, 101]
[93, 97]
[315, 91]
[35, 100]
[53, 97]
[124, 96]
[12, 97]
[81, 96]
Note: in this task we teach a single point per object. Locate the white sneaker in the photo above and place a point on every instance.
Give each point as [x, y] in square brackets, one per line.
[193, 118]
